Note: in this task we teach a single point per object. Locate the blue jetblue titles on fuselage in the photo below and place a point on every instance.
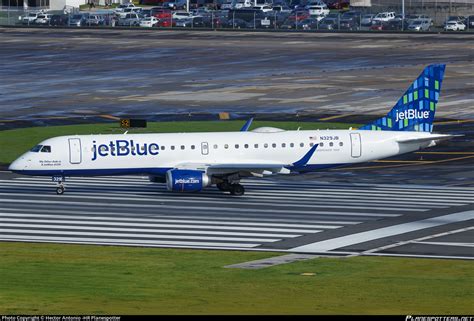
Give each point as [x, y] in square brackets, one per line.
[123, 148]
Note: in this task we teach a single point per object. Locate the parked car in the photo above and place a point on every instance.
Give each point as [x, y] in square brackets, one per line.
[470, 22]
[130, 19]
[420, 25]
[43, 19]
[349, 24]
[195, 22]
[124, 6]
[330, 22]
[409, 19]
[454, 26]
[175, 4]
[166, 23]
[383, 16]
[58, 20]
[149, 22]
[94, 20]
[308, 24]
[366, 20]
[318, 10]
[77, 20]
[30, 17]
[394, 25]
[378, 25]
[456, 18]
[263, 8]
[177, 15]
[161, 13]
[281, 9]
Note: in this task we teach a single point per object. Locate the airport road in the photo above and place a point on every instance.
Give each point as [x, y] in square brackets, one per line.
[281, 215]
[55, 74]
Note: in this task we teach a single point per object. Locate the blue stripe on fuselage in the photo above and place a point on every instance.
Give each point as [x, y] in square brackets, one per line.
[95, 172]
[145, 171]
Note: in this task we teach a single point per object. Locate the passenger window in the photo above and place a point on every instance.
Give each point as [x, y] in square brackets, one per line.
[265, 145]
[162, 148]
[283, 145]
[274, 145]
[46, 149]
[246, 145]
[311, 144]
[236, 146]
[301, 144]
[193, 147]
[172, 147]
[226, 146]
[292, 145]
[321, 144]
[256, 145]
[182, 147]
[341, 143]
[36, 149]
[331, 144]
[215, 146]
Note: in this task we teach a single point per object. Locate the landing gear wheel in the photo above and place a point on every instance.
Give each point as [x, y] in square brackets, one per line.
[224, 186]
[237, 189]
[60, 190]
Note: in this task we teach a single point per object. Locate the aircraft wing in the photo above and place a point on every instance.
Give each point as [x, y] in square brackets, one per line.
[254, 169]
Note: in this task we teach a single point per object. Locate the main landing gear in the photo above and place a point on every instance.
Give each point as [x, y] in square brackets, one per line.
[234, 189]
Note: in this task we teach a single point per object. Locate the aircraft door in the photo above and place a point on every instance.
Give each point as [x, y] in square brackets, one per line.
[356, 145]
[75, 151]
[204, 148]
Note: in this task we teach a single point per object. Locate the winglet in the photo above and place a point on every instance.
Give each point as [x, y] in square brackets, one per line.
[247, 125]
[305, 159]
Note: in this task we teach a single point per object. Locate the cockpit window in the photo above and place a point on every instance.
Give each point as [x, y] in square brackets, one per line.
[36, 149]
[46, 149]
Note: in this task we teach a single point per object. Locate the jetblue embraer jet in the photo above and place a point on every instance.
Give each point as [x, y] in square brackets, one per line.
[190, 162]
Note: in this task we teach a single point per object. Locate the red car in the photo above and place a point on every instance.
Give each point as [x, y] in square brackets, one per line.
[161, 13]
[166, 23]
[379, 25]
[299, 16]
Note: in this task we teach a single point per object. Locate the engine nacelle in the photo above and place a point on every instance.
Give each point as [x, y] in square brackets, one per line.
[184, 180]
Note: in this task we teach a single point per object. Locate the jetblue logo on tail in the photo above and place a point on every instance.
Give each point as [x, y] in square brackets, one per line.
[415, 110]
[412, 114]
[123, 148]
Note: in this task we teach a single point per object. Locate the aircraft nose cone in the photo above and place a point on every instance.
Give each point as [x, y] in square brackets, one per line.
[17, 165]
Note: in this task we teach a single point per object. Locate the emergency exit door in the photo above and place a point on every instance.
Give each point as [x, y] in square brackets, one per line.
[75, 153]
[356, 145]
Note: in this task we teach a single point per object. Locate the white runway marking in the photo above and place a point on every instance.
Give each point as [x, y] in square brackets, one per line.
[362, 237]
[134, 212]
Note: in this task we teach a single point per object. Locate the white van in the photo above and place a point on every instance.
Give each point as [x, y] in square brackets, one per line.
[383, 17]
[318, 10]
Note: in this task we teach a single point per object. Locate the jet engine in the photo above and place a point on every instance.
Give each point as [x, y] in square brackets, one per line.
[181, 180]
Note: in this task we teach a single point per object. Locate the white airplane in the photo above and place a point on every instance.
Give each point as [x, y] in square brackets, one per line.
[190, 162]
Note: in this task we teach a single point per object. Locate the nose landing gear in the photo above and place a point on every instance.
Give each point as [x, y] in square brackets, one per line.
[60, 188]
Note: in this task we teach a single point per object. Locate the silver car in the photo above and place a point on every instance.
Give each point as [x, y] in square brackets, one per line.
[420, 25]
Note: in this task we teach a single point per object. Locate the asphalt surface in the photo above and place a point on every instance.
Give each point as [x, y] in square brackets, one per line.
[419, 204]
[274, 215]
[51, 73]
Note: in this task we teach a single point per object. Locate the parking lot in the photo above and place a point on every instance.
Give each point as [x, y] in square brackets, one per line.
[314, 16]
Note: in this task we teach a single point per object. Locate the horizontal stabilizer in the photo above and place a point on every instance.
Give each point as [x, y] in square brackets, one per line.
[407, 140]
